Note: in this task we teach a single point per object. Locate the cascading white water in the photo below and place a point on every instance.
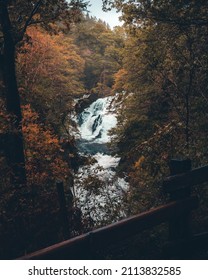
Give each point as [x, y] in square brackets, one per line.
[96, 121]
[94, 124]
[98, 188]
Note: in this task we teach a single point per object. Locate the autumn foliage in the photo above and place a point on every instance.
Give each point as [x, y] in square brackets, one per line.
[50, 71]
[44, 164]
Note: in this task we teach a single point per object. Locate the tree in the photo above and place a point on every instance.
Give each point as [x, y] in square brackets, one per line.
[172, 58]
[165, 66]
[181, 13]
[50, 70]
[100, 47]
[44, 163]
[15, 17]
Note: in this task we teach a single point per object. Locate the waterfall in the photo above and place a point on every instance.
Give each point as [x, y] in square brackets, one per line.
[94, 124]
[97, 186]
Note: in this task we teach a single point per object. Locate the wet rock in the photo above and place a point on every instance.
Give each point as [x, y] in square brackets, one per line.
[85, 102]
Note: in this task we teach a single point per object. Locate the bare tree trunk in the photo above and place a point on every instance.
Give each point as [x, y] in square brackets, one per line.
[14, 147]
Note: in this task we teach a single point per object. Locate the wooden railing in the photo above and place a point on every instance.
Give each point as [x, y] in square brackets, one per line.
[177, 214]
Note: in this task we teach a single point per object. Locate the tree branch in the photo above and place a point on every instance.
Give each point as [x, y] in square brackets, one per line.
[28, 21]
[33, 22]
[34, 11]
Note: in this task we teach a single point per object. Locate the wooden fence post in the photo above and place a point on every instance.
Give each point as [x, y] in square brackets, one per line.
[63, 209]
[179, 226]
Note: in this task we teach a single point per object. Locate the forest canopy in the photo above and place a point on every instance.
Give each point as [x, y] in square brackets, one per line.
[55, 61]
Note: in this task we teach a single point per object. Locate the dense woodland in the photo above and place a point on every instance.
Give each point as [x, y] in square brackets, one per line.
[53, 53]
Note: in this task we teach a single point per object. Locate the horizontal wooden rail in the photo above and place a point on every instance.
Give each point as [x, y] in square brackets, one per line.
[191, 178]
[82, 246]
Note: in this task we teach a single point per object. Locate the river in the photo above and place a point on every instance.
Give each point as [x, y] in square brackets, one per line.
[98, 189]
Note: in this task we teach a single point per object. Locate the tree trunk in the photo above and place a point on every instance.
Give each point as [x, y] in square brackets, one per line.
[14, 148]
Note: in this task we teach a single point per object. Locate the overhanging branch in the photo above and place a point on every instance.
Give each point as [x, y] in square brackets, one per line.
[29, 20]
